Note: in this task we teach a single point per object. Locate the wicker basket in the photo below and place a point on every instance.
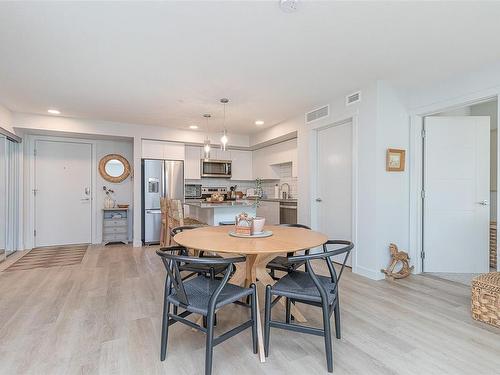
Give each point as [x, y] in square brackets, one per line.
[486, 298]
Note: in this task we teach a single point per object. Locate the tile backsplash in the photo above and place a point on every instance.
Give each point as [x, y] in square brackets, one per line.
[285, 173]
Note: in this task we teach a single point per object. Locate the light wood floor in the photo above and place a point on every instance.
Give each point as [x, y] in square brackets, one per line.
[103, 317]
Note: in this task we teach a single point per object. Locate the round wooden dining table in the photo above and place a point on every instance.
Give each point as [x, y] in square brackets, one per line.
[258, 252]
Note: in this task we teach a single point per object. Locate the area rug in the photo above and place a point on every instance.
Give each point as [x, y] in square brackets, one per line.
[53, 256]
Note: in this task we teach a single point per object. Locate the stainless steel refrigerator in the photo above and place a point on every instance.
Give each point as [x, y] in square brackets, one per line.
[160, 178]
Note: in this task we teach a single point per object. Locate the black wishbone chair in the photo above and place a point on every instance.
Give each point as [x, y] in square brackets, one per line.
[204, 296]
[209, 270]
[311, 289]
[281, 263]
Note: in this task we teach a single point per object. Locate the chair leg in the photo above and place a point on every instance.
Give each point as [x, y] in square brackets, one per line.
[210, 343]
[254, 313]
[272, 274]
[288, 309]
[328, 337]
[336, 312]
[164, 330]
[267, 320]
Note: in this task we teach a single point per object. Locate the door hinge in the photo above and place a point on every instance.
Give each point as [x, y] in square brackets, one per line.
[34, 232]
[422, 254]
[423, 133]
[422, 194]
[34, 152]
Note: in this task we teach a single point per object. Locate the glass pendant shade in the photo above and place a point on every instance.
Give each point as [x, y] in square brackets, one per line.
[223, 141]
[206, 148]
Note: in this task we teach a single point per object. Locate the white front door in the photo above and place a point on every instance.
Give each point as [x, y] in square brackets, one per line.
[334, 184]
[456, 185]
[63, 205]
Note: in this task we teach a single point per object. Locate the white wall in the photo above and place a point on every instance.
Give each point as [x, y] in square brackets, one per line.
[123, 190]
[39, 124]
[393, 205]
[364, 115]
[6, 118]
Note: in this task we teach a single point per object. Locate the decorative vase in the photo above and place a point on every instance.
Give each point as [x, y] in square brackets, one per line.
[258, 224]
[109, 202]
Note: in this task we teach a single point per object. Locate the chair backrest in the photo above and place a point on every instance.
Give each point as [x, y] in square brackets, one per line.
[172, 257]
[176, 230]
[296, 226]
[175, 211]
[346, 248]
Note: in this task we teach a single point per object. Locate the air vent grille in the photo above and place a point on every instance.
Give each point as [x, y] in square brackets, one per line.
[353, 98]
[317, 114]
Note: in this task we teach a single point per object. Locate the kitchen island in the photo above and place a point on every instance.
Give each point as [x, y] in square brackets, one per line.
[215, 213]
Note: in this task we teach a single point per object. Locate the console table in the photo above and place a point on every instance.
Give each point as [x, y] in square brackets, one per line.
[115, 225]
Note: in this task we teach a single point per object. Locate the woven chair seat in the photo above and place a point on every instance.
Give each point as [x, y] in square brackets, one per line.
[281, 263]
[199, 290]
[199, 268]
[192, 221]
[299, 285]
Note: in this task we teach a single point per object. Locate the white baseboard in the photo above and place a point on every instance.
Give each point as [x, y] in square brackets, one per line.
[369, 273]
[137, 243]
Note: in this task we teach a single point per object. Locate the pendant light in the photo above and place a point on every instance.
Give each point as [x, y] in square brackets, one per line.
[224, 139]
[206, 142]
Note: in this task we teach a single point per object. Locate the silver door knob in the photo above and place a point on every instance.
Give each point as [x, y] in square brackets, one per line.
[319, 200]
[484, 203]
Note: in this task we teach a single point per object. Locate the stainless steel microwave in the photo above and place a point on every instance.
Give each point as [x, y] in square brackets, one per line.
[215, 168]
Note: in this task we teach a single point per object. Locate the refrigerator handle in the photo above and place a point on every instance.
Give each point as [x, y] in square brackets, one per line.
[162, 180]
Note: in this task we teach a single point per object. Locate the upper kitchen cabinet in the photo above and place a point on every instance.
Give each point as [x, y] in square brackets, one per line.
[267, 159]
[218, 154]
[162, 150]
[241, 165]
[192, 169]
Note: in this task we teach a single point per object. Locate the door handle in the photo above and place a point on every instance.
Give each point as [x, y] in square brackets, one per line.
[85, 199]
[484, 203]
[319, 200]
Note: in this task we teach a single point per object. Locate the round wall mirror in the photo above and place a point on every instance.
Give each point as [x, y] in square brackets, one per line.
[114, 168]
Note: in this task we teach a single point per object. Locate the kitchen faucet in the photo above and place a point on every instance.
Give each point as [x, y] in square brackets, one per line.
[285, 194]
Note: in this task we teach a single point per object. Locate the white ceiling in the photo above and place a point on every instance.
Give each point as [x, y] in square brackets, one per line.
[165, 64]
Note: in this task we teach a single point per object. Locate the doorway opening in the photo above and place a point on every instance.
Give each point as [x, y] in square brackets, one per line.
[459, 192]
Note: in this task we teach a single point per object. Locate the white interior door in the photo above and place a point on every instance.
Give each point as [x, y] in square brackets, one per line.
[334, 184]
[456, 185]
[63, 205]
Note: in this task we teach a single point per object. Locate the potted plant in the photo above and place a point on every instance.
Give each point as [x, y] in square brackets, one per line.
[258, 222]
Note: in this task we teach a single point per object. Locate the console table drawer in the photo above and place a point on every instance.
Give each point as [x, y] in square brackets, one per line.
[121, 229]
[115, 222]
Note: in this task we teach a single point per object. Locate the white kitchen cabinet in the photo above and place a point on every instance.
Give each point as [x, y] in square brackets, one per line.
[269, 210]
[152, 149]
[162, 150]
[261, 167]
[192, 166]
[266, 160]
[241, 165]
[218, 154]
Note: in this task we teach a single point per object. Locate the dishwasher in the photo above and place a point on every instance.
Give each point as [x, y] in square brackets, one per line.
[288, 212]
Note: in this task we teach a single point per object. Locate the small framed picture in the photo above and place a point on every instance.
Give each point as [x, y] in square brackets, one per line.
[395, 160]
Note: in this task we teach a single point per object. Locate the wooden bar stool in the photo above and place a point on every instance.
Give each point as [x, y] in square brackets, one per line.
[175, 218]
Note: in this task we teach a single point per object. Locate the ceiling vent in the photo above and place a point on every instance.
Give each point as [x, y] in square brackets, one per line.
[317, 114]
[353, 98]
